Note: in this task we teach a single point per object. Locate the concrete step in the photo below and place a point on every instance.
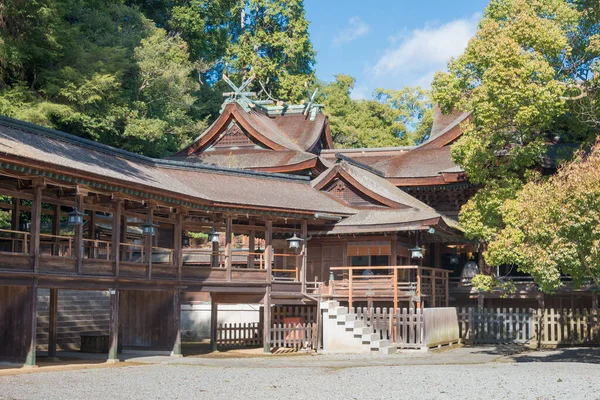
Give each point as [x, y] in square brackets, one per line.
[378, 344]
[347, 317]
[356, 323]
[388, 350]
[370, 337]
[338, 311]
[333, 304]
[362, 330]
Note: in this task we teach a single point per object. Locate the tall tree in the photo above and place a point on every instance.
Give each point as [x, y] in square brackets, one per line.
[527, 75]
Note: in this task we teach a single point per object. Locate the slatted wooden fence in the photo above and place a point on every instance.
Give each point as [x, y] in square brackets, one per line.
[239, 335]
[294, 336]
[308, 314]
[408, 328]
[542, 327]
[377, 318]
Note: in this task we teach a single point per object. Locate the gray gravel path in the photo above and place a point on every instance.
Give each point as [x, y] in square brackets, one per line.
[538, 376]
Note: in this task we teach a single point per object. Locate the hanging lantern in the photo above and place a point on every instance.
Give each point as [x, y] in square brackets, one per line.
[213, 236]
[453, 259]
[75, 217]
[294, 242]
[416, 252]
[148, 229]
[185, 239]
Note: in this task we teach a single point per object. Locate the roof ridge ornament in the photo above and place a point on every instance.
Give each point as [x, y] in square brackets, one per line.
[311, 107]
[239, 95]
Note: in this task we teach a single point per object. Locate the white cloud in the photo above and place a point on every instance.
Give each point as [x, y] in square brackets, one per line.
[359, 92]
[355, 29]
[421, 52]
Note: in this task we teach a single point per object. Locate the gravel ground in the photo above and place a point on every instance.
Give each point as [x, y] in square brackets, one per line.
[519, 377]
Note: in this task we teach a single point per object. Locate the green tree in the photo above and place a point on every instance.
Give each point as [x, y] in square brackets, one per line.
[527, 75]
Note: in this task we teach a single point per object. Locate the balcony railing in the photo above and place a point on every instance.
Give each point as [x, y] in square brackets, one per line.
[14, 241]
[56, 245]
[96, 249]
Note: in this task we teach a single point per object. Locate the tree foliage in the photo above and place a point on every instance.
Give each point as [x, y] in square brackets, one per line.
[552, 227]
[529, 76]
[392, 118]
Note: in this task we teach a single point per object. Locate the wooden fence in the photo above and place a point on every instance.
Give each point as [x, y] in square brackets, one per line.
[307, 314]
[294, 336]
[239, 335]
[541, 327]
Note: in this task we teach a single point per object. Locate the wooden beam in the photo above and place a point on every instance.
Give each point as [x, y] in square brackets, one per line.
[251, 248]
[113, 351]
[53, 322]
[149, 243]
[15, 214]
[115, 253]
[36, 213]
[214, 310]
[228, 249]
[304, 254]
[177, 244]
[30, 360]
[176, 352]
[267, 321]
[78, 241]
[269, 249]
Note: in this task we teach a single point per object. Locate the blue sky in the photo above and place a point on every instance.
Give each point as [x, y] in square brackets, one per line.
[389, 43]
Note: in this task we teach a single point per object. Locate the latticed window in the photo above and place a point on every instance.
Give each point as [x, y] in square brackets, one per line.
[234, 136]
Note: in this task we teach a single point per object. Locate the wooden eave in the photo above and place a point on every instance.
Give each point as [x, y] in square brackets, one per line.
[405, 226]
[447, 138]
[337, 171]
[445, 178]
[230, 112]
[326, 134]
[308, 164]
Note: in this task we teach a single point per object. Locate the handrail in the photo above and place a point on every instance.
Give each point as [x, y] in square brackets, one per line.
[95, 246]
[16, 240]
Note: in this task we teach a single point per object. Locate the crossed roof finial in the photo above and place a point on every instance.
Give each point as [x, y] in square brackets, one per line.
[239, 94]
[312, 108]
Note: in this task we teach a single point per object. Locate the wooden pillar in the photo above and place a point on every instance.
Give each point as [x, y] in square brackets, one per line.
[149, 243]
[433, 288]
[113, 355]
[395, 289]
[178, 244]
[177, 323]
[251, 248]
[419, 283]
[36, 213]
[117, 219]
[56, 227]
[15, 215]
[267, 321]
[52, 323]
[447, 285]
[78, 241]
[228, 247]
[541, 320]
[214, 311]
[394, 252]
[304, 254]
[269, 249]
[30, 360]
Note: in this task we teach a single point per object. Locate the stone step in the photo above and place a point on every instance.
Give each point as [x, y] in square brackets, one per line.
[338, 311]
[370, 337]
[347, 317]
[333, 304]
[388, 350]
[356, 323]
[362, 330]
[378, 344]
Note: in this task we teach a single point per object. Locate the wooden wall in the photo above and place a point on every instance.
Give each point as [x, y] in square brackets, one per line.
[15, 321]
[146, 319]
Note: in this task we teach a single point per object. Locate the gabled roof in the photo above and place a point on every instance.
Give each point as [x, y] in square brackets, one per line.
[400, 209]
[42, 149]
[445, 129]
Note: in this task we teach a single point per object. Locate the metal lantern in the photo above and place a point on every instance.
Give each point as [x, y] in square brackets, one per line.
[294, 242]
[416, 252]
[213, 236]
[453, 259]
[148, 229]
[185, 239]
[75, 217]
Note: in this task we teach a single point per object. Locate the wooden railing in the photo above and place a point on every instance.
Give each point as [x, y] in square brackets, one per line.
[56, 245]
[14, 241]
[96, 249]
[162, 255]
[286, 273]
[241, 258]
[202, 257]
[390, 283]
[132, 253]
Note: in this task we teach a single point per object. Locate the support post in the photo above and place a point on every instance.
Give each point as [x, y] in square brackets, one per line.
[267, 321]
[116, 235]
[395, 288]
[269, 250]
[56, 228]
[214, 311]
[447, 285]
[36, 213]
[304, 254]
[228, 249]
[433, 289]
[541, 326]
[178, 244]
[251, 248]
[113, 355]
[52, 323]
[419, 283]
[15, 215]
[350, 289]
[78, 241]
[149, 242]
[30, 360]
[177, 323]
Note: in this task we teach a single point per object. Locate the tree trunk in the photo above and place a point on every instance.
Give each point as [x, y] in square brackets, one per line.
[484, 268]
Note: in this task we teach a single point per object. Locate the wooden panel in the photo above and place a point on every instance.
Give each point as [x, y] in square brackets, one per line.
[164, 272]
[132, 270]
[97, 267]
[15, 321]
[146, 319]
[314, 255]
[16, 261]
[58, 264]
[333, 256]
[248, 275]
